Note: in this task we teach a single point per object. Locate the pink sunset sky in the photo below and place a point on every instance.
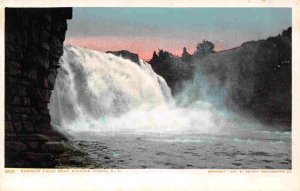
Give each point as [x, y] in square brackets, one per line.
[143, 47]
[145, 30]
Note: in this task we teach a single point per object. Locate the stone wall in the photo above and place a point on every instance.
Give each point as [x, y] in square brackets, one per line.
[33, 45]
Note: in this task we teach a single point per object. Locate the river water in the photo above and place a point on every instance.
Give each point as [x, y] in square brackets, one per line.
[264, 150]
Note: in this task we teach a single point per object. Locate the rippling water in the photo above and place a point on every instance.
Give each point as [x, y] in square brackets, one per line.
[263, 151]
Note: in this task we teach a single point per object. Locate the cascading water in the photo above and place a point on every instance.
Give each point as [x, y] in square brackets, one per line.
[123, 110]
[92, 86]
[100, 92]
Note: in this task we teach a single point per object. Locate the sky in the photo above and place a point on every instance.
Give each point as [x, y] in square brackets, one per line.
[144, 30]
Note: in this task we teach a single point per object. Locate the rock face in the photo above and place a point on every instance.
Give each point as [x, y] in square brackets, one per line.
[172, 68]
[127, 55]
[257, 77]
[33, 45]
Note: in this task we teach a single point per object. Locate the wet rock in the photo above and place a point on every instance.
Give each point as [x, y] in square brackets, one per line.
[127, 55]
[76, 161]
[38, 157]
[51, 78]
[53, 147]
[49, 164]
[33, 137]
[53, 136]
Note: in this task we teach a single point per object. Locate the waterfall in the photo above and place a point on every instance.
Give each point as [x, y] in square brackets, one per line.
[122, 114]
[101, 92]
[93, 85]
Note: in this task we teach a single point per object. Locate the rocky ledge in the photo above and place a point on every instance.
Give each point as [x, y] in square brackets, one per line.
[127, 55]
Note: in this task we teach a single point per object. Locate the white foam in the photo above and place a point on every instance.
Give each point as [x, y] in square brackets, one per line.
[101, 93]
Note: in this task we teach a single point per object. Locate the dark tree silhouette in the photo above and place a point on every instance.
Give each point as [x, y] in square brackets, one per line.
[163, 55]
[154, 56]
[287, 32]
[204, 48]
[186, 57]
[172, 68]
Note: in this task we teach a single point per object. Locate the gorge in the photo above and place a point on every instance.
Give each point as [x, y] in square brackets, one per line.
[119, 110]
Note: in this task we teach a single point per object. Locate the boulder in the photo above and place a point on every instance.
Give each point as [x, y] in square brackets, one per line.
[127, 55]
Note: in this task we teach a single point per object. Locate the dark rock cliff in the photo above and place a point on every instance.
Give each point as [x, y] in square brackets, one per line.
[127, 55]
[33, 45]
[172, 68]
[257, 75]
